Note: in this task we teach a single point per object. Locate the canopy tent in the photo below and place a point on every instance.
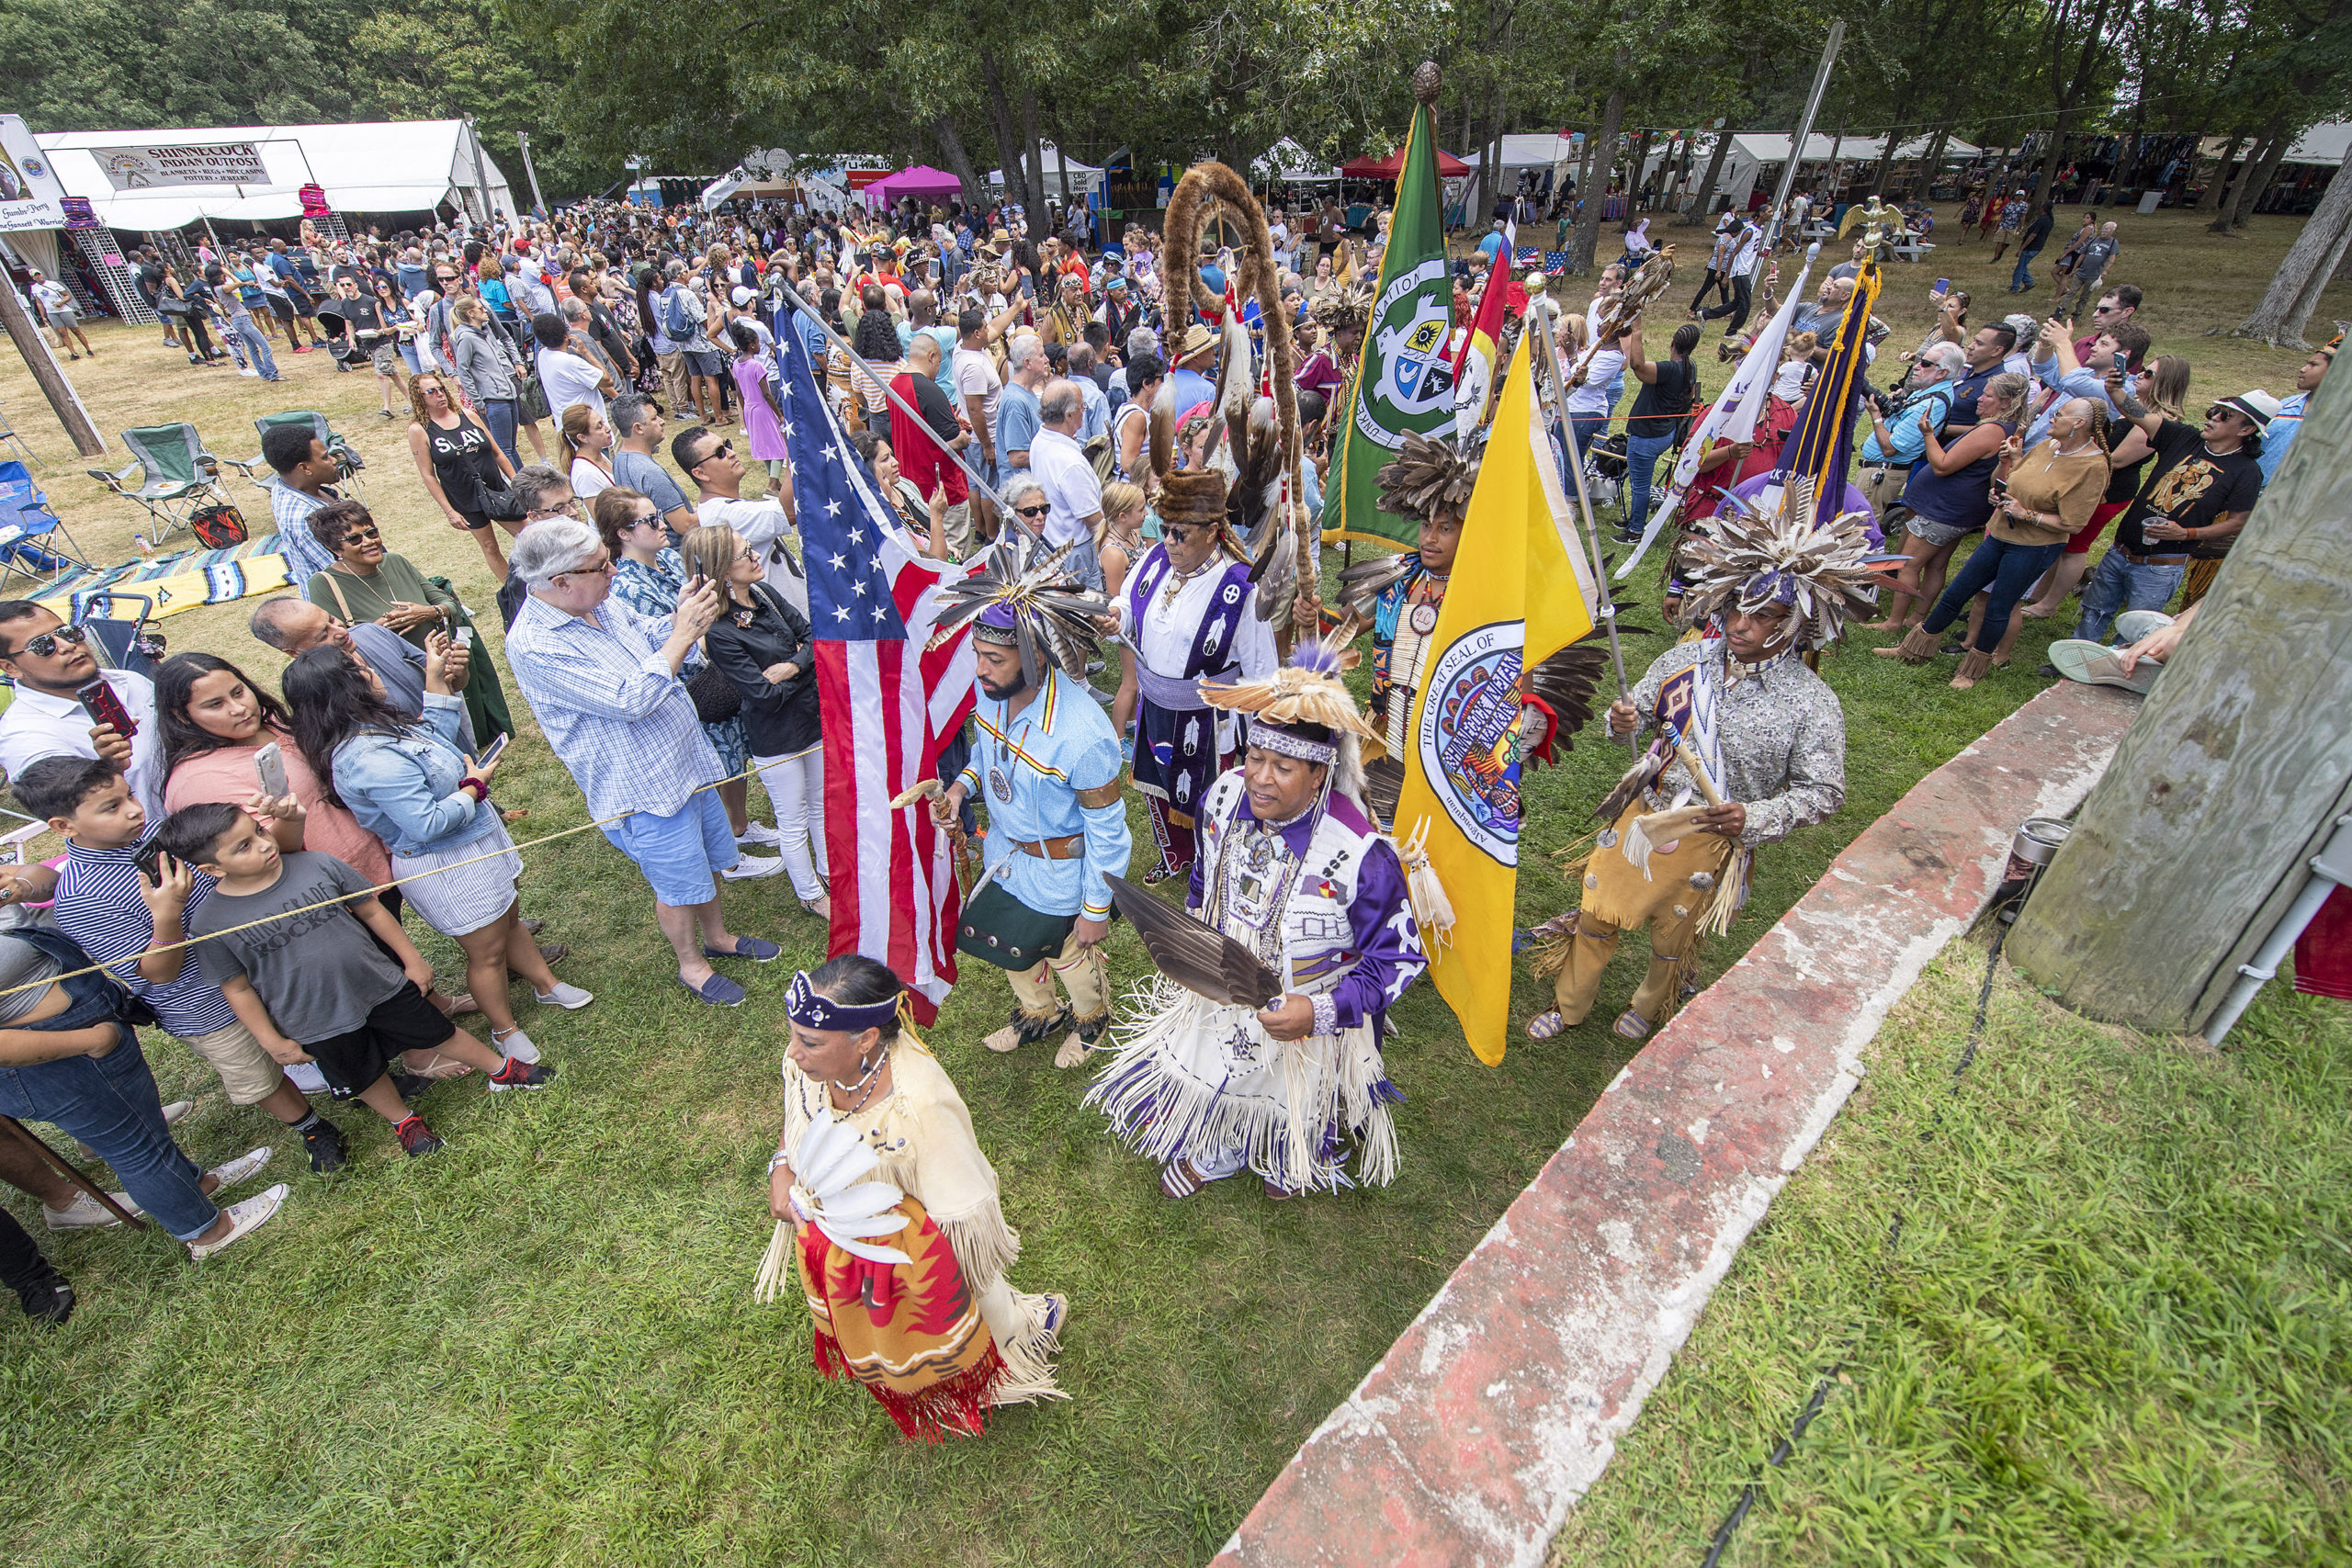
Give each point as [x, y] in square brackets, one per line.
[920, 181]
[1289, 163]
[2324, 145]
[1753, 151]
[413, 165]
[1063, 173]
[728, 187]
[1369, 168]
[1554, 150]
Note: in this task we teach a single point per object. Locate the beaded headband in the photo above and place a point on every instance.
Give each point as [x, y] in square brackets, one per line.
[1273, 738]
[804, 1007]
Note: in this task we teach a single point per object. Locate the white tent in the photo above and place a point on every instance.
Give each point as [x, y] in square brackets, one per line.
[2322, 144]
[412, 166]
[1084, 180]
[1286, 160]
[1753, 151]
[1534, 151]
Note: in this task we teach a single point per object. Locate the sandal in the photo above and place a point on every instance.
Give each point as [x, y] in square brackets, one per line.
[1178, 1180]
[1631, 1025]
[1544, 1025]
[1276, 1191]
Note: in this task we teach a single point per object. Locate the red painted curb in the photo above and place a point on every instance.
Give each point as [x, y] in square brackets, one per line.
[1499, 1406]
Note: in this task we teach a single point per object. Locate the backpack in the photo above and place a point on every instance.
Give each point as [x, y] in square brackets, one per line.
[221, 527]
[677, 325]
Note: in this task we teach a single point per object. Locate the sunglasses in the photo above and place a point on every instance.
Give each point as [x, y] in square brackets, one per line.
[46, 645]
[721, 450]
[1033, 511]
[362, 536]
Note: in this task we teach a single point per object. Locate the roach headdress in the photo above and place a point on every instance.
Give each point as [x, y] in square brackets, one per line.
[1045, 613]
[1743, 559]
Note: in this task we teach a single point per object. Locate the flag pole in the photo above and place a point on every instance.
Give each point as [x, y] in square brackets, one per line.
[1548, 385]
[859, 366]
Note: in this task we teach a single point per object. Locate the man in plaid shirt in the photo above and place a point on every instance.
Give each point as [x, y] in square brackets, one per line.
[603, 681]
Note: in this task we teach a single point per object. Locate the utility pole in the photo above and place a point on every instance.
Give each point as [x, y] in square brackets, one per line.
[522, 139]
[1796, 154]
[43, 365]
[482, 175]
[2195, 842]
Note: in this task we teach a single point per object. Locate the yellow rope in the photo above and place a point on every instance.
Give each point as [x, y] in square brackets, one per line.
[381, 886]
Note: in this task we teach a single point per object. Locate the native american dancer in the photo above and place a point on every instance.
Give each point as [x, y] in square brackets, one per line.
[1045, 762]
[1189, 612]
[1292, 869]
[1768, 741]
[889, 1212]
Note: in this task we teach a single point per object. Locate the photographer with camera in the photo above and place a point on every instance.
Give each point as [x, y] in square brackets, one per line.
[1896, 437]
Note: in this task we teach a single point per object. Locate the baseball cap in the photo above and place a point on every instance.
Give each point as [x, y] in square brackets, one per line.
[2256, 405]
[742, 296]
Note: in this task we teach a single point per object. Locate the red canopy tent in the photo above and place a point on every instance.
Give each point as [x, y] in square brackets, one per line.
[1448, 167]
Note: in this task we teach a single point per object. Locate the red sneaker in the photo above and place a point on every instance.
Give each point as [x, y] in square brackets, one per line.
[416, 1137]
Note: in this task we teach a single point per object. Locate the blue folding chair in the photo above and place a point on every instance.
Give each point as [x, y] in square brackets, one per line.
[116, 643]
[34, 541]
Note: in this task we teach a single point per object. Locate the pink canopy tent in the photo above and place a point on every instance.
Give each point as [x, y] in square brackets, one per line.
[921, 182]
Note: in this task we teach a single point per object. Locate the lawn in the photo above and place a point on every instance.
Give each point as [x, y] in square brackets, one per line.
[2116, 1328]
[539, 1347]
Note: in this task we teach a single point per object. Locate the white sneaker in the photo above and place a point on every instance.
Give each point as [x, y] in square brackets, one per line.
[759, 833]
[178, 1111]
[571, 999]
[246, 370]
[514, 1044]
[243, 1219]
[751, 868]
[86, 1213]
[241, 1168]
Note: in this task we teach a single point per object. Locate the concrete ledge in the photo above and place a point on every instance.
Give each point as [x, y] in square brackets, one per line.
[1502, 1404]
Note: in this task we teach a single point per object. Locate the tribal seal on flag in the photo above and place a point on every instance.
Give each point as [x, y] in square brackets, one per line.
[1468, 739]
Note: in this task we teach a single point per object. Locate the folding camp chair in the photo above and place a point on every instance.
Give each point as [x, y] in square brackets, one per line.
[29, 531]
[176, 476]
[347, 460]
[117, 643]
[8, 438]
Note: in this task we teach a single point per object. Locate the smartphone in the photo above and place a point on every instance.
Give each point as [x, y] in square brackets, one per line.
[2000, 488]
[107, 708]
[491, 752]
[466, 637]
[1943, 286]
[150, 860]
[270, 766]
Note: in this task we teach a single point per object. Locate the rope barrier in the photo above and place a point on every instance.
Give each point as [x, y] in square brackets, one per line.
[1787, 1446]
[380, 887]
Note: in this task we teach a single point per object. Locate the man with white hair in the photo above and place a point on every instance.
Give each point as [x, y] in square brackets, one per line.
[1895, 440]
[603, 681]
[1073, 494]
[1017, 418]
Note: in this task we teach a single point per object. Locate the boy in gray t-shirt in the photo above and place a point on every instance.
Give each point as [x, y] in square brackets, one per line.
[328, 975]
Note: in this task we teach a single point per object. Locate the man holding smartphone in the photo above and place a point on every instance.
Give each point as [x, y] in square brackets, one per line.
[66, 706]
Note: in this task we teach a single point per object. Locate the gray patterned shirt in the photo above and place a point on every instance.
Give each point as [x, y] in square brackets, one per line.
[1783, 743]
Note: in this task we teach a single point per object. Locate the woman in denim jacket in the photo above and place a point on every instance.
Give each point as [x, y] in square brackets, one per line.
[408, 783]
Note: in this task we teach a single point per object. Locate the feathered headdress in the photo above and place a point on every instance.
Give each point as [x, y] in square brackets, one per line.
[1347, 309]
[1428, 480]
[1045, 613]
[1744, 560]
[1305, 710]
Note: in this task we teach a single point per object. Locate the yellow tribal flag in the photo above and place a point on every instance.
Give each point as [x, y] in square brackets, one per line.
[1521, 586]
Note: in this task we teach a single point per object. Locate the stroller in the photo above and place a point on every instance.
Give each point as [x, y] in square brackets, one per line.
[1605, 469]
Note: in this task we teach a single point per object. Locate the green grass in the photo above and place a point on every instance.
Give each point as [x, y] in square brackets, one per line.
[2117, 1327]
[540, 1348]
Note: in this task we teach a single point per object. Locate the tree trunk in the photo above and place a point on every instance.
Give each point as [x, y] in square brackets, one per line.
[2198, 836]
[1613, 116]
[2211, 196]
[958, 160]
[1001, 126]
[1636, 174]
[1930, 165]
[1036, 159]
[18, 325]
[2046, 193]
[2256, 179]
[1698, 213]
[1885, 163]
[2309, 262]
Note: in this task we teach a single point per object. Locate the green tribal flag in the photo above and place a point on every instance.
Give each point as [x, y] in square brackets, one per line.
[1402, 380]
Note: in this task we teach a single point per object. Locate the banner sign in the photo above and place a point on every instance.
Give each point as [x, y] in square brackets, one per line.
[30, 196]
[218, 163]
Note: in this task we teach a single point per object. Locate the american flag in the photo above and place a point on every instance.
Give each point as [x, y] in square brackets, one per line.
[886, 703]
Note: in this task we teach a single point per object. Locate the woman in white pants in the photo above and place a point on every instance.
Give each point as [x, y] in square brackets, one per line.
[762, 644]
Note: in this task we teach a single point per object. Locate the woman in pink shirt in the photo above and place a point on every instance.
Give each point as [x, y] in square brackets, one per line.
[214, 721]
